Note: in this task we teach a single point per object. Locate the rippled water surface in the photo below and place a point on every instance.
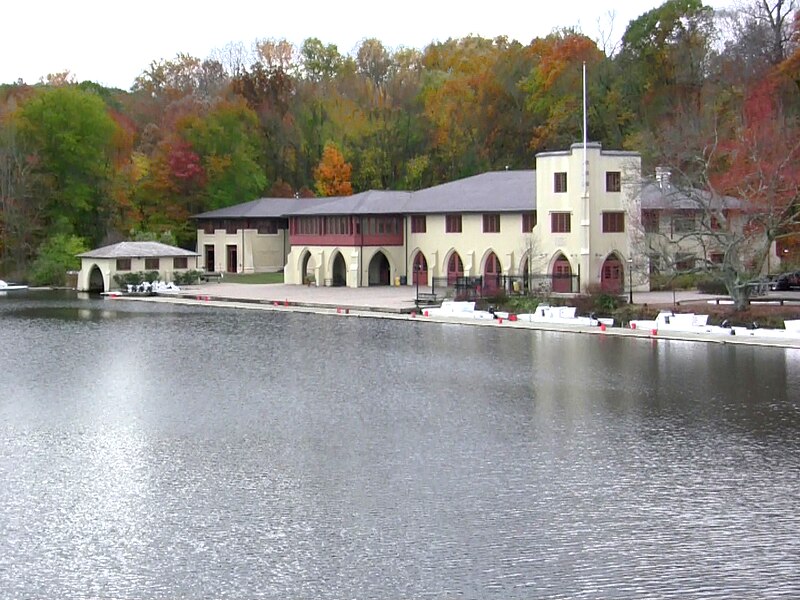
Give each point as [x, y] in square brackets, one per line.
[153, 451]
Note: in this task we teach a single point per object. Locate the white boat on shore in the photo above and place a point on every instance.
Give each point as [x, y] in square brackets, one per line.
[10, 287]
[563, 315]
[458, 310]
[668, 321]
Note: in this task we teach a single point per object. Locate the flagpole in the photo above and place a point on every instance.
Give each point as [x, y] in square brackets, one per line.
[585, 134]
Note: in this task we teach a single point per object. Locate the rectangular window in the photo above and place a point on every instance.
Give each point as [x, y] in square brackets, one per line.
[123, 264]
[208, 227]
[453, 224]
[231, 227]
[560, 182]
[418, 224]
[528, 221]
[684, 222]
[650, 221]
[613, 222]
[151, 264]
[491, 223]
[716, 258]
[180, 262]
[613, 181]
[685, 261]
[266, 227]
[560, 222]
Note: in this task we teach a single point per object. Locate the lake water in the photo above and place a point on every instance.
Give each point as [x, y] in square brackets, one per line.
[158, 451]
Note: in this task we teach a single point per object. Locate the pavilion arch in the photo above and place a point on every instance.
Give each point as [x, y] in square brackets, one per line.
[419, 267]
[612, 274]
[379, 268]
[453, 267]
[561, 273]
[96, 282]
[337, 269]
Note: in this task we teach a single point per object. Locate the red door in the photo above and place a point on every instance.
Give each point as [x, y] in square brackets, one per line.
[562, 276]
[611, 276]
[420, 275]
[491, 274]
[455, 269]
[232, 266]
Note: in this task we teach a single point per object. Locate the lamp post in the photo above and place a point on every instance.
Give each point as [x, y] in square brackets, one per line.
[630, 281]
[417, 268]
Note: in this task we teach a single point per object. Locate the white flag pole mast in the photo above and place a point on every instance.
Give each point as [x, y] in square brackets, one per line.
[585, 134]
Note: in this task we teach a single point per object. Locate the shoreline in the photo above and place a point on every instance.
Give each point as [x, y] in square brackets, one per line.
[326, 309]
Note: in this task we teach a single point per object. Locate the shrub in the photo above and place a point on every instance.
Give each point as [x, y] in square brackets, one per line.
[186, 277]
[123, 280]
[56, 256]
[665, 283]
[709, 285]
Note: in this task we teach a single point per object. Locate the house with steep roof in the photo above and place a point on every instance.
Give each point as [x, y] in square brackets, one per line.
[99, 266]
[569, 220]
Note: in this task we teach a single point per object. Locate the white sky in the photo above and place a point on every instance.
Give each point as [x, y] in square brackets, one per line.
[113, 42]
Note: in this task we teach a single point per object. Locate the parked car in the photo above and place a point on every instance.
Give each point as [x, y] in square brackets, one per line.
[785, 281]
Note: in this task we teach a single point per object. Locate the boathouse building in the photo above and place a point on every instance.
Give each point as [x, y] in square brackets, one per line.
[569, 219]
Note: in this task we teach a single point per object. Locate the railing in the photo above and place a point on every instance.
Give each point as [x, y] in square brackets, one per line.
[534, 284]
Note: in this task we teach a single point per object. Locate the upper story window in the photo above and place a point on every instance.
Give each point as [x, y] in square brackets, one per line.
[452, 224]
[208, 227]
[180, 262]
[684, 222]
[266, 226]
[231, 227]
[123, 264]
[528, 221]
[418, 224]
[491, 223]
[613, 222]
[613, 181]
[560, 182]
[560, 222]
[337, 226]
[650, 221]
[151, 264]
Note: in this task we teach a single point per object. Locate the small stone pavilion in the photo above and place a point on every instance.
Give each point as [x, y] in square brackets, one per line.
[99, 266]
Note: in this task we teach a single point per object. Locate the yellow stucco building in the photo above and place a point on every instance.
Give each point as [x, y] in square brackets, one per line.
[565, 226]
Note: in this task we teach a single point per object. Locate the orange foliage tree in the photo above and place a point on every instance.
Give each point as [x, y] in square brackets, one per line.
[332, 174]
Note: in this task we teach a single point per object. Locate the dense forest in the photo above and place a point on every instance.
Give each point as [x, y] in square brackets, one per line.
[709, 93]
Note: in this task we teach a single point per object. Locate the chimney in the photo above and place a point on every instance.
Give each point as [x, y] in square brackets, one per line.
[662, 177]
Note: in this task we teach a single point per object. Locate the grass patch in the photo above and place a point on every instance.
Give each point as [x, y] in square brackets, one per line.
[253, 278]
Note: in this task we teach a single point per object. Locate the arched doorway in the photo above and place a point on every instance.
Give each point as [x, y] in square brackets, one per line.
[339, 271]
[379, 270]
[491, 273]
[525, 273]
[562, 275]
[307, 266]
[96, 283]
[455, 269]
[420, 274]
[611, 275]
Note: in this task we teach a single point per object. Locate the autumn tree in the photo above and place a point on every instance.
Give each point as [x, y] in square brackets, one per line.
[227, 141]
[555, 87]
[332, 175]
[71, 137]
[731, 197]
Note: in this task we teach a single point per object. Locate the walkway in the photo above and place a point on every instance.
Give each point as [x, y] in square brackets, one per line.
[385, 298]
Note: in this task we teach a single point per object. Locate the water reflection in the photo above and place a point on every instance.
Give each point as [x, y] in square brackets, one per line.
[160, 452]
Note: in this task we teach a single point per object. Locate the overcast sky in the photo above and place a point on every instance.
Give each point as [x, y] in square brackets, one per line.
[113, 42]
